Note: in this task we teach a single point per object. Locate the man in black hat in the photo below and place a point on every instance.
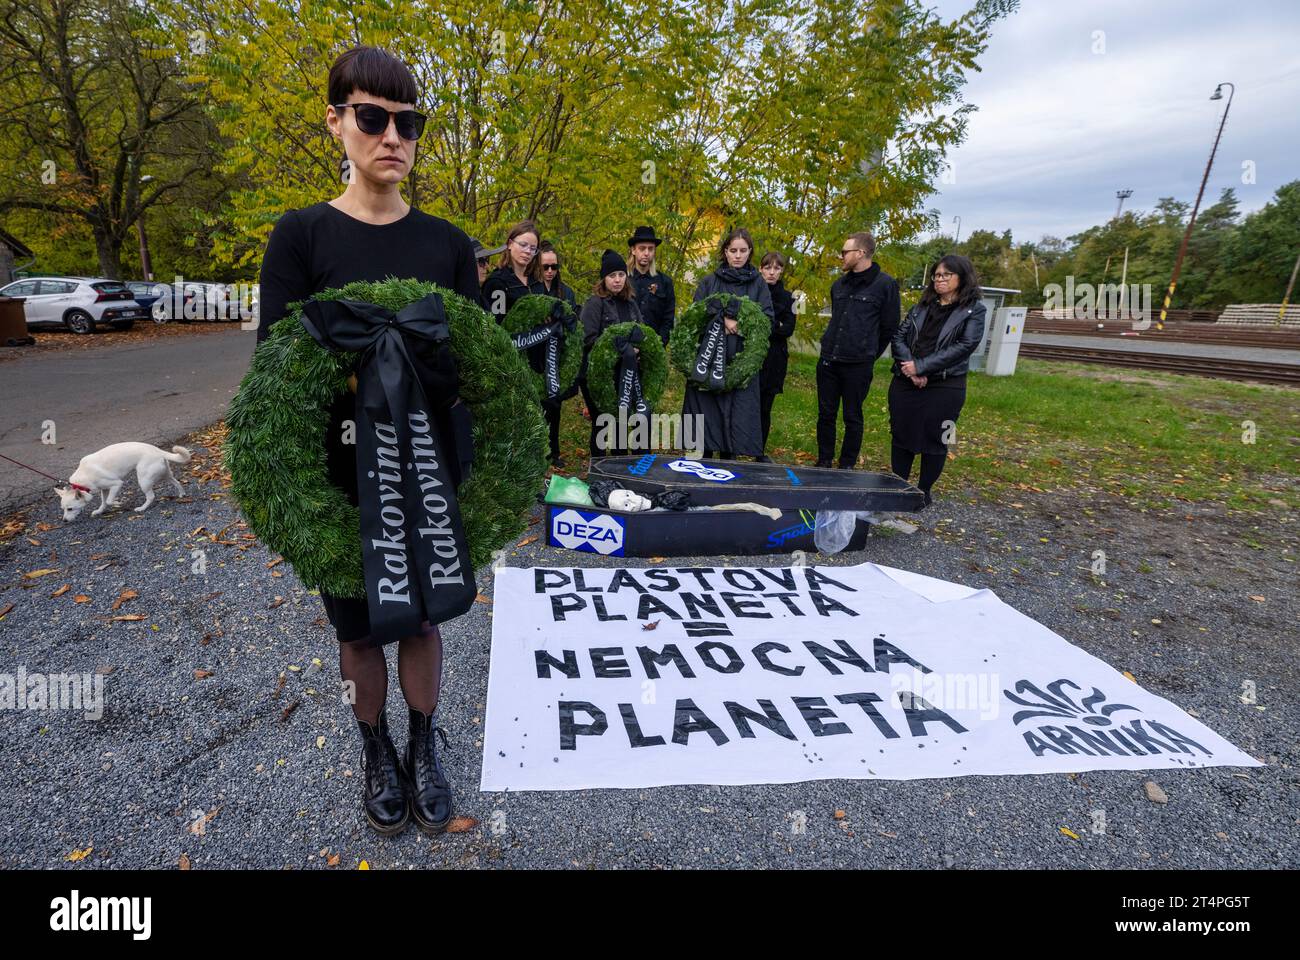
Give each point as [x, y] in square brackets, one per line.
[653, 290]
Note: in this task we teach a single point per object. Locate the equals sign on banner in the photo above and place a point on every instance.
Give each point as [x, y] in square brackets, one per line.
[706, 628]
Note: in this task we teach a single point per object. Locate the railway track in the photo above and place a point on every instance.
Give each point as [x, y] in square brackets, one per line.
[1249, 370]
[1284, 338]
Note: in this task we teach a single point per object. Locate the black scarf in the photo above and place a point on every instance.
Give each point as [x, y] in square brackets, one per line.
[710, 370]
[628, 374]
[413, 546]
[737, 275]
[551, 333]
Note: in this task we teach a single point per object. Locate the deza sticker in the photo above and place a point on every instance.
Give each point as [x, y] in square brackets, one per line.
[700, 470]
[588, 532]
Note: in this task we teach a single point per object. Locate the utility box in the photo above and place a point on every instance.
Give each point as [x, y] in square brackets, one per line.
[13, 323]
[1004, 341]
[992, 298]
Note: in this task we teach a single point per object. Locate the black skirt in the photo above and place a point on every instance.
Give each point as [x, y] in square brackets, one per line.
[350, 618]
[917, 414]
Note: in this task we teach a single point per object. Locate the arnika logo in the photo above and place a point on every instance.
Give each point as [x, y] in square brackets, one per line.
[1086, 726]
[77, 913]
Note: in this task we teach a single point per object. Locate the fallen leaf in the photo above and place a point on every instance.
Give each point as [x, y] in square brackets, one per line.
[5, 611]
[320, 743]
[363, 865]
[32, 575]
[275, 603]
[658, 559]
[184, 862]
[522, 543]
[1257, 599]
[1154, 793]
[1130, 676]
[123, 597]
[652, 625]
[130, 616]
[62, 590]
[840, 814]
[1069, 833]
[462, 824]
[332, 860]
[202, 674]
[480, 598]
[81, 598]
[277, 560]
[77, 856]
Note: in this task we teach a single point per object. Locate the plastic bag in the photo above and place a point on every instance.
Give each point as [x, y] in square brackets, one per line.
[569, 490]
[833, 529]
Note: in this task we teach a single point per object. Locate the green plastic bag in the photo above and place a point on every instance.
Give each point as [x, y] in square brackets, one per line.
[568, 490]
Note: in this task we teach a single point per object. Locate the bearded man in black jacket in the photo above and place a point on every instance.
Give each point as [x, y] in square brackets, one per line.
[865, 309]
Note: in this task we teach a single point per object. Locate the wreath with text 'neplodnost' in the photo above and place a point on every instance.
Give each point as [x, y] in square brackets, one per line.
[753, 326]
[536, 309]
[276, 454]
[602, 367]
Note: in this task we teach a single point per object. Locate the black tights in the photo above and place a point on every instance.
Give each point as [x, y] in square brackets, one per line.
[931, 465]
[419, 670]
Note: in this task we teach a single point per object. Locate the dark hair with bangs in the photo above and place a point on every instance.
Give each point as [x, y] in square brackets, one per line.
[374, 71]
[968, 281]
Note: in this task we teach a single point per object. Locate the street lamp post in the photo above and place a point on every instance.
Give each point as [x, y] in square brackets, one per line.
[957, 239]
[1121, 195]
[1187, 234]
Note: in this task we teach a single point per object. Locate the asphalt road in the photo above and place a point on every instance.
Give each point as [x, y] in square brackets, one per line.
[156, 392]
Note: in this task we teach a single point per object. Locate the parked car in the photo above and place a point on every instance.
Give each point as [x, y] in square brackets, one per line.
[146, 292]
[77, 303]
[175, 301]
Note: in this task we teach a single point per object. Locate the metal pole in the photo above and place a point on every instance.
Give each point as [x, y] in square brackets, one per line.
[957, 239]
[1281, 314]
[1122, 195]
[1187, 234]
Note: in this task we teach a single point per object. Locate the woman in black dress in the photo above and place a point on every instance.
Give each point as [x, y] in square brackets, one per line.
[612, 301]
[369, 233]
[931, 350]
[733, 424]
[771, 380]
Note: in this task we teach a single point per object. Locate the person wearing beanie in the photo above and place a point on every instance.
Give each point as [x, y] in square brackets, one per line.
[611, 302]
[652, 288]
[732, 419]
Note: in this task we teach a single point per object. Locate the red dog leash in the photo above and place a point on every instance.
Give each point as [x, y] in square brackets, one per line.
[74, 486]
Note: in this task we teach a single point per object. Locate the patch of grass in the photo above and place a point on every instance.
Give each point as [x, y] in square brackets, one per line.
[1157, 439]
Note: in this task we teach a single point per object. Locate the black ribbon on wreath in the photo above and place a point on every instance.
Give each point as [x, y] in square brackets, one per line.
[627, 376]
[413, 546]
[551, 333]
[710, 370]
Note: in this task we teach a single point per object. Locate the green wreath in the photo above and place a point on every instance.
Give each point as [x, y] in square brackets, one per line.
[534, 309]
[754, 327]
[275, 448]
[602, 365]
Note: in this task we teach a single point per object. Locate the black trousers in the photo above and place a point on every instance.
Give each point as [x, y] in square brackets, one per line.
[841, 384]
[765, 401]
[552, 414]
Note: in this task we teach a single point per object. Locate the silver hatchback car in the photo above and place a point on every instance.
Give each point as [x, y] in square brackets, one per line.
[76, 303]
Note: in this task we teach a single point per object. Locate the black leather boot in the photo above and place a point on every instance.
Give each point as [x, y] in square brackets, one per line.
[430, 792]
[387, 807]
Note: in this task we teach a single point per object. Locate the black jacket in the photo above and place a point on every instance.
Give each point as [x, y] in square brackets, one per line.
[958, 338]
[778, 344]
[865, 308]
[503, 279]
[752, 286]
[599, 314]
[565, 293]
[658, 306]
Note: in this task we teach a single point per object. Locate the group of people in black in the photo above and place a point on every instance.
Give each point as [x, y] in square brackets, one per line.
[370, 233]
[931, 346]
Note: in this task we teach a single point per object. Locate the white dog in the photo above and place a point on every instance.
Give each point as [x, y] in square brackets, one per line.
[107, 469]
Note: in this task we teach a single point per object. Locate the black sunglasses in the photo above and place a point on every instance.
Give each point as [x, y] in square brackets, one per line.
[373, 119]
[551, 266]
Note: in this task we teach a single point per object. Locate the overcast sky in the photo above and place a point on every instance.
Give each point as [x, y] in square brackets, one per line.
[1060, 128]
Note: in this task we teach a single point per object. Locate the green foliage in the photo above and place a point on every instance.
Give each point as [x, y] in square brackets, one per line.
[602, 367]
[752, 325]
[534, 309]
[276, 456]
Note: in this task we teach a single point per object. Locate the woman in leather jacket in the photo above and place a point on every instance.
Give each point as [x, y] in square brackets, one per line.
[931, 350]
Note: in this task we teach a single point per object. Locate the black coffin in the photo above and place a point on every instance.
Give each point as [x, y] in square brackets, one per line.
[710, 482]
[690, 533]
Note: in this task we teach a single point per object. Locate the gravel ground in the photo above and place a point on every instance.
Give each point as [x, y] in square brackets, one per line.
[258, 763]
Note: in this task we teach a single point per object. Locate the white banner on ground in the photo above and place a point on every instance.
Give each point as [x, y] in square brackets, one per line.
[642, 677]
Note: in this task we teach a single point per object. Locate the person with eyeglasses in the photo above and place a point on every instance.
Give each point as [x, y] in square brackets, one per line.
[932, 350]
[551, 285]
[865, 307]
[370, 233]
[515, 272]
